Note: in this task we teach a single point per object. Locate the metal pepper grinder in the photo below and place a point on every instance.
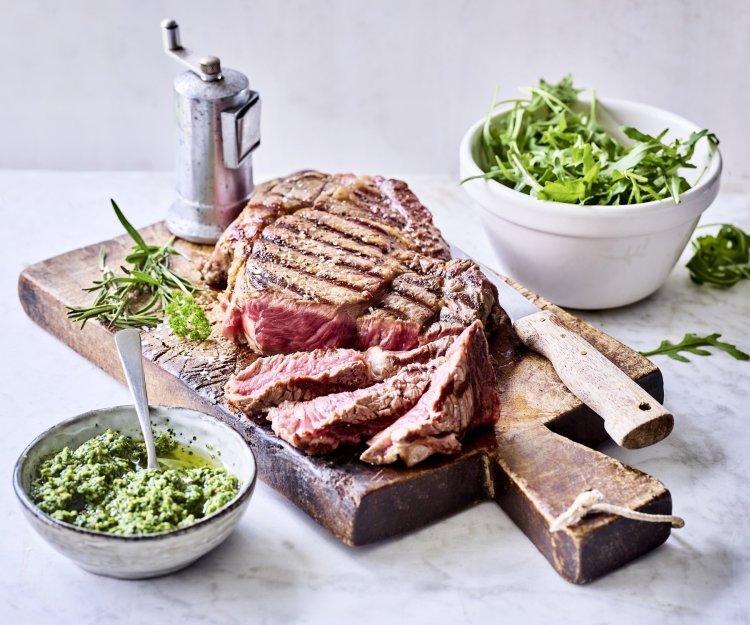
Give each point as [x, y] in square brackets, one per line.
[218, 127]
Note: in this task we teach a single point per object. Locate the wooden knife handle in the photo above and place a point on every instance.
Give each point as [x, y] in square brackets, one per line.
[631, 416]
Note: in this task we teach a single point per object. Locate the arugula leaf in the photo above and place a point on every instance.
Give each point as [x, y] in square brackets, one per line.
[693, 344]
[564, 191]
[721, 259]
[545, 147]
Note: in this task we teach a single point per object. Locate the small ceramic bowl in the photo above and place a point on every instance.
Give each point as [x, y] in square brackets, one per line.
[149, 555]
[593, 257]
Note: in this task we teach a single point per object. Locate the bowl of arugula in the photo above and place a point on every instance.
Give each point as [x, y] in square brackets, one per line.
[588, 202]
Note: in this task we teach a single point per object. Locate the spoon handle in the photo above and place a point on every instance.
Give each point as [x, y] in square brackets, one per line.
[128, 344]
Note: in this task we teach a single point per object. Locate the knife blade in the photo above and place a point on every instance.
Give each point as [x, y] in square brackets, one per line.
[632, 417]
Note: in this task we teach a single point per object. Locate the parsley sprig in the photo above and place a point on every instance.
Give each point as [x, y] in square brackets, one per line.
[721, 259]
[187, 318]
[144, 290]
[694, 344]
[547, 147]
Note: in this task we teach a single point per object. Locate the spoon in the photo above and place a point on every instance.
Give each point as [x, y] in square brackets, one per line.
[129, 348]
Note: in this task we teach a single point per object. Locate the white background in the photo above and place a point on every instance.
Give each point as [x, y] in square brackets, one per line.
[387, 86]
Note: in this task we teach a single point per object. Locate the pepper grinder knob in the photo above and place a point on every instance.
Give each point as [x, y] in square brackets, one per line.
[210, 65]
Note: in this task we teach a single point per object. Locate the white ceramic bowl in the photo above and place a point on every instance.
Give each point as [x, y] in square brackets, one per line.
[593, 257]
[149, 555]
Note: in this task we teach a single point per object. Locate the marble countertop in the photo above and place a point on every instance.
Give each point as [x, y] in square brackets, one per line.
[280, 567]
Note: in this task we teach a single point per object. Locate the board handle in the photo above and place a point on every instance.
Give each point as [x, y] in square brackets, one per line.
[538, 474]
[631, 416]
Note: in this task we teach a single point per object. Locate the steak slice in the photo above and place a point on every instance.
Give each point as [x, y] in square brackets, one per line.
[301, 376]
[318, 260]
[383, 363]
[295, 377]
[462, 396]
[319, 426]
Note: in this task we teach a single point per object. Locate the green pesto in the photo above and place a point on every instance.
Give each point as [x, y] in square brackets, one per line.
[103, 485]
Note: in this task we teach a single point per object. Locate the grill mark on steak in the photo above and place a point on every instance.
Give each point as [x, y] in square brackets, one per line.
[261, 279]
[380, 267]
[365, 218]
[307, 284]
[301, 262]
[419, 296]
[323, 250]
[348, 229]
[405, 307]
[270, 200]
[325, 234]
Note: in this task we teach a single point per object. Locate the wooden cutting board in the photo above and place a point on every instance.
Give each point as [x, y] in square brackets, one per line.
[538, 459]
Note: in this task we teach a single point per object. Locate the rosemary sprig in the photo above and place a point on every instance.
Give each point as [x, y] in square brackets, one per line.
[138, 297]
[694, 344]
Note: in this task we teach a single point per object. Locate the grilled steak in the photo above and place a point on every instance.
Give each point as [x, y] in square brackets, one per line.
[321, 425]
[320, 260]
[301, 376]
[462, 396]
[369, 324]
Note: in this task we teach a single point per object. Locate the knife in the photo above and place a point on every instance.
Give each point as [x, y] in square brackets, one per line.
[631, 416]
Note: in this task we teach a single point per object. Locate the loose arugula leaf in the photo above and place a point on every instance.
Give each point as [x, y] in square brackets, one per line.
[544, 147]
[693, 343]
[721, 259]
[148, 285]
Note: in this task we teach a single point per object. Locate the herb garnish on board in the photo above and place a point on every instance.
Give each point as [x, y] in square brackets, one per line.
[144, 291]
[548, 147]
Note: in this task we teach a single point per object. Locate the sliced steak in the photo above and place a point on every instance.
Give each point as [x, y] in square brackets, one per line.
[295, 377]
[462, 396]
[319, 260]
[301, 376]
[383, 363]
[319, 426]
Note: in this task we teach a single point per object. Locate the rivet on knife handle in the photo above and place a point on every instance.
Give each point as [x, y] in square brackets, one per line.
[631, 416]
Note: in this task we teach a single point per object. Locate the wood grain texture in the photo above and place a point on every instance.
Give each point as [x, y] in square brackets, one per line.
[540, 474]
[360, 503]
[631, 416]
